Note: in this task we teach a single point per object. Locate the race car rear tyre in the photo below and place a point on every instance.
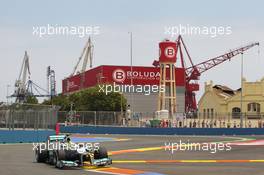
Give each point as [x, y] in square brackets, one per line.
[55, 159]
[61, 154]
[40, 156]
[51, 160]
[100, 153]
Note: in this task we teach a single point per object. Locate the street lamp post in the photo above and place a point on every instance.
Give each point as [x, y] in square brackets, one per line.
[121, 104]
[241, 91]
[7, 92]
[131, 69]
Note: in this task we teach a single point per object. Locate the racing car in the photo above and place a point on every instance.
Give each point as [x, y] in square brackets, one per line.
[71, 156]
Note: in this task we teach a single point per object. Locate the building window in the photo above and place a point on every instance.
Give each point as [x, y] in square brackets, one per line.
[236, 112]
[212, 113]
[253, 107]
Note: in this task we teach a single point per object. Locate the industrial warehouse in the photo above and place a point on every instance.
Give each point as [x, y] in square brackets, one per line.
[131, 87]
[121, 75]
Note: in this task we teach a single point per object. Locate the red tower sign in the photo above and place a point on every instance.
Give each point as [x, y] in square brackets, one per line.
[168, 51]
[167, 59]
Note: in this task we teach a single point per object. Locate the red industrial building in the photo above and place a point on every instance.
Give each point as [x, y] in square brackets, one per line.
[107, 74]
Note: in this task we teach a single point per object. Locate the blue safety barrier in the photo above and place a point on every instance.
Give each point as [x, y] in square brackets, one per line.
[24, 136]
[161, 131]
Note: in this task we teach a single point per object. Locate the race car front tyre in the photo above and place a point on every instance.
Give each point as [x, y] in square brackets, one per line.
[58, 163]
[100, 153]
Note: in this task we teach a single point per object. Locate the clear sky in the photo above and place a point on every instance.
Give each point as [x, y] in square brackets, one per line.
[145, 18]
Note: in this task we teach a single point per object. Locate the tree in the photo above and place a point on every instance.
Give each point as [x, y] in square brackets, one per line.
[31, 100]
[90, 99]
[60, 100]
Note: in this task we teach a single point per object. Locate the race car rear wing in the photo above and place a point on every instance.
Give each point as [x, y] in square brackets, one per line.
[57, 138]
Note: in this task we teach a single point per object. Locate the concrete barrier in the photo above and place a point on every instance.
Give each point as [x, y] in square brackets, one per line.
[161, 131]
[24, 136]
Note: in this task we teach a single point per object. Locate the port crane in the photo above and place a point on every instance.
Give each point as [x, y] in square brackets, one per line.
[21, 83]
[25, 87]
[86, 56]
[194, 71]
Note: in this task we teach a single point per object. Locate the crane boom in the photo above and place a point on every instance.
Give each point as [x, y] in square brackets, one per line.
[24, 69]
[193, 72]
[21, 82]
[87, 53]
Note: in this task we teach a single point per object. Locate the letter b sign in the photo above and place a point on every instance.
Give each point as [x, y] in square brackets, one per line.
[170, 52]
[119, 75]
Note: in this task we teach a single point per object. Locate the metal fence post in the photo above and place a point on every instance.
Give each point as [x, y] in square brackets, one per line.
[37, 121]
[13, 121]
[24, 120]
[114, 118]
[9, 119]
[246, 120]
[95, 118]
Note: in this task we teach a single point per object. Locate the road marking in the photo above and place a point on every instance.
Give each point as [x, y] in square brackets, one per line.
[119, 171]
[129, 161]
[238, 140]
[187, 161]
[124, 171]
[257, 161]
[96, 139]
[14, 144]
[249, 143]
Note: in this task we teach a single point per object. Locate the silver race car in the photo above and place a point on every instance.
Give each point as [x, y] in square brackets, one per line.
[64, 153]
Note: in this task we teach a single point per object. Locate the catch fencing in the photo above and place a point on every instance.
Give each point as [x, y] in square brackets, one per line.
[103, 118]
[90, 117]
[17, 116]
[25, 116]
[180, 120]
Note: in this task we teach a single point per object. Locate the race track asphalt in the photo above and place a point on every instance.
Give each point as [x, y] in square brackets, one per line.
[147, 155]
